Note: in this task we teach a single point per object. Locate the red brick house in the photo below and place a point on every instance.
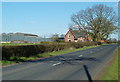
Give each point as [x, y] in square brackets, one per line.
[102, 40]
[75, 36]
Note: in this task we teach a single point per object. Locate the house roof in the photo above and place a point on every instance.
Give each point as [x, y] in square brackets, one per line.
[69, 31]
[77, 33]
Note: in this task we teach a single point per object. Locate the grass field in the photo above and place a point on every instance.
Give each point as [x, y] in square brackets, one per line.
[112, 70]
[20, 44]
[23, 59]
[17, 44]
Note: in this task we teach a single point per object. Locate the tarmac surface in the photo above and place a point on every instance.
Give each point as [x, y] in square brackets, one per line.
[79, 65]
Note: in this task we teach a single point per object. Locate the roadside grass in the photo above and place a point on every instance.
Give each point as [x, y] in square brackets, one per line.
[108, 44]
[64, 51]
[43, 55]
[6, 62]
[112, 70]
[104, 44]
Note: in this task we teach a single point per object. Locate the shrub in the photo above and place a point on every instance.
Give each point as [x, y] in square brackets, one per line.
[99, 43]
[21, 51]
[32, 50]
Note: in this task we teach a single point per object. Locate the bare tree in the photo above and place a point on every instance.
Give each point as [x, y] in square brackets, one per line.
[99, 21]
[55, 37]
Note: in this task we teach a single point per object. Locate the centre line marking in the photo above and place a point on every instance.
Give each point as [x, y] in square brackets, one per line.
[80, 55]
[91, 52]
[56, 64]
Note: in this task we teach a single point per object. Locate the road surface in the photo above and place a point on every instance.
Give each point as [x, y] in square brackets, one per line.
[79, 65]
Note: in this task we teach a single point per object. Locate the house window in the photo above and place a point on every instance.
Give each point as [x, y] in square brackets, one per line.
[69, 36]
[81, 40]
[69, 40]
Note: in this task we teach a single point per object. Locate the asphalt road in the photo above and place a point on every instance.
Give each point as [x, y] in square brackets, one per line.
[79, 65]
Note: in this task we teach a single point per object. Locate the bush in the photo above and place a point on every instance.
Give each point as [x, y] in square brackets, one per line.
[77, 45]
[32, 50]
[99, 43]
[21, 51]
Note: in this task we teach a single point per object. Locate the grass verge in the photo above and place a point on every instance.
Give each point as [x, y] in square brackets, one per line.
[112, 70]
[43, 55]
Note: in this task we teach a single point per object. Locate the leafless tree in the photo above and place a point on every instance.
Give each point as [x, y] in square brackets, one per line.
[99, 21]
[55, 37]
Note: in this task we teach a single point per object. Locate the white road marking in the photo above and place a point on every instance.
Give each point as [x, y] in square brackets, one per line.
[57, 64]
[80, 55]
[91, 52]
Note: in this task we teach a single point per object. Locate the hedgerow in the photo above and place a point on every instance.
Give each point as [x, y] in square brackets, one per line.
[33, 50]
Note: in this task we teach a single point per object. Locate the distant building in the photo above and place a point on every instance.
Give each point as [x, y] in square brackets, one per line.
[75, 36]
[26, 34]
[61, 38]
[21, 38]
[102, 40]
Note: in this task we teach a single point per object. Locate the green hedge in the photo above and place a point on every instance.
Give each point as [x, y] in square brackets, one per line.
[32, 50]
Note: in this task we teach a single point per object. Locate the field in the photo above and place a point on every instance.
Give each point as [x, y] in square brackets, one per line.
[20, 44]
[17, 44]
